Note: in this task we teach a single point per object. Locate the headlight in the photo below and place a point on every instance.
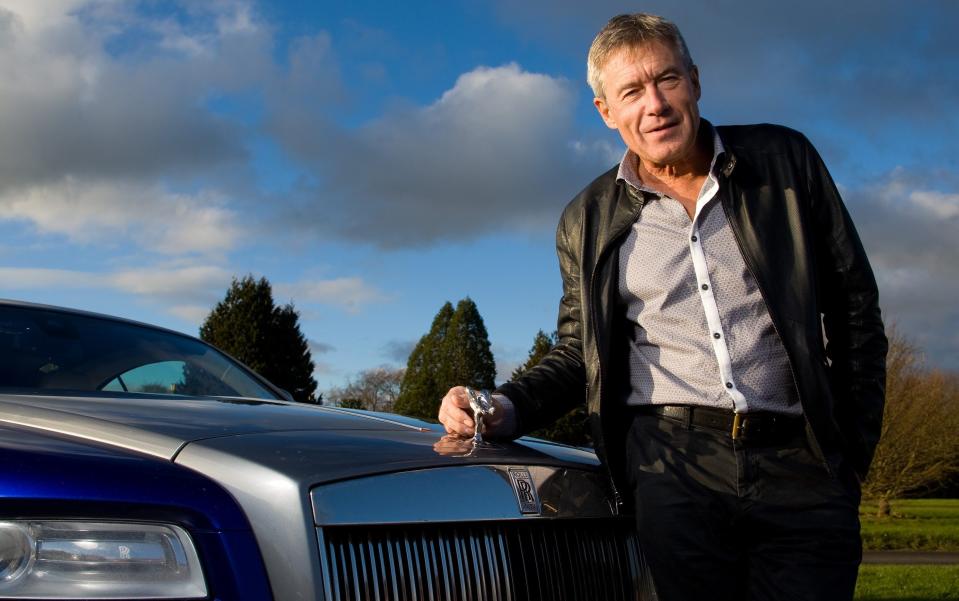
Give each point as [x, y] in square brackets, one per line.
[97, 560]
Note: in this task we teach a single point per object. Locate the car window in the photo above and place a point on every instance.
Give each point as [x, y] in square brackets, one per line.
[56, 350]
[163, 377]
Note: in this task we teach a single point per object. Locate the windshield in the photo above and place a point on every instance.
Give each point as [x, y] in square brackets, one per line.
[54, 350]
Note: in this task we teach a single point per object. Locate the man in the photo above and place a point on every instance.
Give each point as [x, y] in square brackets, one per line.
[699, 277]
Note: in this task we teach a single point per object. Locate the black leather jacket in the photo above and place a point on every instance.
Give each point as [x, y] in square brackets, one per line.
[797, 240]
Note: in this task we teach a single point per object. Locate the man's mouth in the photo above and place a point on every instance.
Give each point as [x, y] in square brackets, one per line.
[662, 127]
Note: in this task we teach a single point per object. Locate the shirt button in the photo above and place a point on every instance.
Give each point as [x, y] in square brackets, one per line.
[694, 238]
[729, 384]
[705, 286]
[717, 335]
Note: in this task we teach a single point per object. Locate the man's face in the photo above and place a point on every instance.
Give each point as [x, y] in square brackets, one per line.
[651, 100]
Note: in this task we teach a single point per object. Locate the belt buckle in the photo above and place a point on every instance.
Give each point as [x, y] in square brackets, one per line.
[739, 425]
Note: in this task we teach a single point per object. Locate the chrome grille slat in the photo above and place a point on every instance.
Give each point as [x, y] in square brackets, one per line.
[459, 551]
[499, 552]
[357, 582]
[503, 561]
[394, 570]
[364, 552]
[430, 563]
[446, 573]
[380, 573]
[480, 560]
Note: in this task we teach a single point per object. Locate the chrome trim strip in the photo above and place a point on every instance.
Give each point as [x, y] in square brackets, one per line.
[362, 413]
[88, 428]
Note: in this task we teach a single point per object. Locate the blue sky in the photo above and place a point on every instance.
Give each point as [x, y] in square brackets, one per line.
[374, 160]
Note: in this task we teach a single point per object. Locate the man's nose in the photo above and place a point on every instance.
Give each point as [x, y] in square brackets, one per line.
[656, 103]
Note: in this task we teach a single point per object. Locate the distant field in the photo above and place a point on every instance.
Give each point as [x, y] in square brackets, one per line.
[916, 524]
[908, 583]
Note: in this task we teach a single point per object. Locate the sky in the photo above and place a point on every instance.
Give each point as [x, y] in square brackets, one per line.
[374, 160]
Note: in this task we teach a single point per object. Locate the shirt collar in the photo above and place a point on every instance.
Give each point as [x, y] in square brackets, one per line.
[628, 167]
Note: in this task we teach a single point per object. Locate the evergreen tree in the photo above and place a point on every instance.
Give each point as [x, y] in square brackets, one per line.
[572, 428]
[420, 392]
[466, 357]
[292, 361]
[542, 344]
[267, 338]
[455, 352]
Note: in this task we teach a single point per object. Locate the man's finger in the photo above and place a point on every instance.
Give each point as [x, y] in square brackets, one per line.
[452, 414]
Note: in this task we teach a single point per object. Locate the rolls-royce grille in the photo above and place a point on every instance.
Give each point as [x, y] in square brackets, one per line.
[512, 561]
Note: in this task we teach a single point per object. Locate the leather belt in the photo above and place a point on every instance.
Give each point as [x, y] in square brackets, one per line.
[737, 425]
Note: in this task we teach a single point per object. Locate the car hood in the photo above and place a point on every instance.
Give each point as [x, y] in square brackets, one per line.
[276, 458]
[307, 442]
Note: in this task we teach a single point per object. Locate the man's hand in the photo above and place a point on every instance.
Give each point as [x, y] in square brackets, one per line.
[457, 417]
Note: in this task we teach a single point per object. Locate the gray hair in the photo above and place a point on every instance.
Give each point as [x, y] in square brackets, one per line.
[630, 31]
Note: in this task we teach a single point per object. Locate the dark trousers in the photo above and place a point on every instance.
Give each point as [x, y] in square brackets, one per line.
[723, 519]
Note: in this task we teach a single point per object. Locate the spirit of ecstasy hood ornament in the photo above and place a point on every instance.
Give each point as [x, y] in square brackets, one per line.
[482, 405]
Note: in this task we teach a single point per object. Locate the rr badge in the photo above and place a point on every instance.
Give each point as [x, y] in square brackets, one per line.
[525, 490]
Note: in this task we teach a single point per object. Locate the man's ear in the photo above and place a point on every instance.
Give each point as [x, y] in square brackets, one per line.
[694, 77]
[603, 109]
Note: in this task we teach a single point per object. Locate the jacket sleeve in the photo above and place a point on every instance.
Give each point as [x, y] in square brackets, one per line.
[554, 386]
[849, 301]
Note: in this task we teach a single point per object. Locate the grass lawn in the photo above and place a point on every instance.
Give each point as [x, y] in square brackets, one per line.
[916, 524]
[908, 583]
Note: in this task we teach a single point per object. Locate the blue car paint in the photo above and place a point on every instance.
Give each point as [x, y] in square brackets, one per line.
[46, 475]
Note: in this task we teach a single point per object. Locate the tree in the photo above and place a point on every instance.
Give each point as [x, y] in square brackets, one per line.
[572, 428]
[919, 448]
[456, 351]
[420, 385]
[292, 362]
[466, 357]
[249, 326]
[542, 344]
[374, 389]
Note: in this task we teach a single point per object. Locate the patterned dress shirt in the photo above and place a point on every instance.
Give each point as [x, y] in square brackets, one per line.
[701, 334]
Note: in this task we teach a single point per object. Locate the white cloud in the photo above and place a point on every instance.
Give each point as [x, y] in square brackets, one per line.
[93, 142]
[19, 278]
[349, 293]
[191, 291]
[108, 212]
[589, 150]
[50, 14]
[73, 107]
[175, 283]
[189, 313]
[942, 206]
[909, 230]
[492, 152]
